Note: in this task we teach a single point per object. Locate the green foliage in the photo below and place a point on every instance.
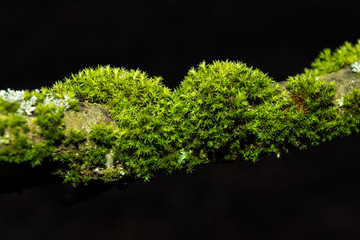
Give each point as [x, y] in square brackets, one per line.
[331, 61]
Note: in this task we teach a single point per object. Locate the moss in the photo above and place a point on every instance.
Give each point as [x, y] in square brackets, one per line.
[124, 124]
[352, 110]
[8, 107]
[51, 123]
[13, 140]
[224, 110]
[145, 136]
[103, 135]
[32, 138]
[75, 137]
[217, 103]
[309, 93]
[330, 61]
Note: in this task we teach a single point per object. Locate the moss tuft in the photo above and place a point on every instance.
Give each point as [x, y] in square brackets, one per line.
[217, 103]
[331, 61]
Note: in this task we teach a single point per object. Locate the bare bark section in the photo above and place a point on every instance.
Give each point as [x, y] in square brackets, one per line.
[89, 115]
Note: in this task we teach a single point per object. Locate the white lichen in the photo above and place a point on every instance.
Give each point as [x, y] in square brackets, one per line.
[12, 96]
[27, 107]
[341, 102]
[183, 156]
[110, 159]
[355, 67]
[58, 102]
[5, 139]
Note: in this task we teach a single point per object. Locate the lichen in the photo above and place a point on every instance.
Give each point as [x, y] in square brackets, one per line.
[355, 67]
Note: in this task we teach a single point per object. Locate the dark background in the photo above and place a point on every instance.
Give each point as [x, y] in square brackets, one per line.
[305, 195]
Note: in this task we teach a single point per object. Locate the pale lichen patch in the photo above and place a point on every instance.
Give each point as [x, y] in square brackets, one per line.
[110, 159]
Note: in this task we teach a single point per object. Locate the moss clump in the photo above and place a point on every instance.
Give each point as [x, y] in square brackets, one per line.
[8, 107]
[234, 112]
[331, 61]
[217, 104]
[352, 110]
[323, 119]
[13, 140]
[146, 138]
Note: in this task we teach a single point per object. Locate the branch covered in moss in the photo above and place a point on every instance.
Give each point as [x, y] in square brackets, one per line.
[107, 124]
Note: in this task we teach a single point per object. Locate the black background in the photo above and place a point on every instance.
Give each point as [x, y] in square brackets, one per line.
[304, 195]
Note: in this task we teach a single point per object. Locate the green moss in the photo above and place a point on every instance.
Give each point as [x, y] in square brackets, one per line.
[51, 123]
[7, 107]
[352, 102]
[309, 93]
[224, 110]
[22, 138]
[324, 120]
[131, 125]
[74, 137]
[103, 135]
[331, 61]
[13, 139]
[146, 138]
[217, 103]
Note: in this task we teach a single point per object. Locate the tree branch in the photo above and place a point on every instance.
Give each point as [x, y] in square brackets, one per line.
[115, 125]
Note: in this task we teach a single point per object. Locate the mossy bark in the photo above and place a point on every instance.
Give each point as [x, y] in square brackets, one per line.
[345, 81]
[92, 114]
